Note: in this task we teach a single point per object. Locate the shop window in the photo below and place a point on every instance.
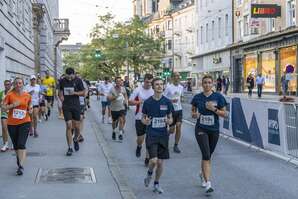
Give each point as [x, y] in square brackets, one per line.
[268, 70]
[250, 66]
[288, 56]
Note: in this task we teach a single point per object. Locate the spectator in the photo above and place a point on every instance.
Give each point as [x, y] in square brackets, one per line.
[250, 82]
[260, 81]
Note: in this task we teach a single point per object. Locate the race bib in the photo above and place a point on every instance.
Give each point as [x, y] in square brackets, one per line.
[120, 97]
[68, 90]
[82, 101]
[159, 122]
[207, 120]
[18, 114]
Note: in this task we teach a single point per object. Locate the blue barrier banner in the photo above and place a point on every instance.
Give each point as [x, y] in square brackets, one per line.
[273, 127]
[226, 123]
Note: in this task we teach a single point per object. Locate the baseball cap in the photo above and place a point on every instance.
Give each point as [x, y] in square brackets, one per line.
[32, 77]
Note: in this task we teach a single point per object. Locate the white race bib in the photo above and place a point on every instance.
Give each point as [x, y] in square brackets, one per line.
[120, 97]
[68, 90]
[82, 101]
[18, 114]
[207, 120]
[176, 106]
[158, 122]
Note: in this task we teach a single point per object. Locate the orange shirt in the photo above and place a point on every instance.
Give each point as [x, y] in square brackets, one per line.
[20, 114]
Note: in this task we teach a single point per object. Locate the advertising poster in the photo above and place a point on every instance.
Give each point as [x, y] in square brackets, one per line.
[273, 127]
[226, 123]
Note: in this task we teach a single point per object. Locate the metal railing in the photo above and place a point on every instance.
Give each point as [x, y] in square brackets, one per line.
[291, 119]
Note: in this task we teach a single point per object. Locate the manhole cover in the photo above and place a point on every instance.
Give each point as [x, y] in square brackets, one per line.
[33, 154]
[66, 175]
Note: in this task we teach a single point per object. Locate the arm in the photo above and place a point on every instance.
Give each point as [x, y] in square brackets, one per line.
[146, 120]
[169, 120]
[80, 93]
[61, 97]
[194, 112]
[6, 106]
[132, 101]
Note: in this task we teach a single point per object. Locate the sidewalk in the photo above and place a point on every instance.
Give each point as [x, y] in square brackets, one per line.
[48, 152]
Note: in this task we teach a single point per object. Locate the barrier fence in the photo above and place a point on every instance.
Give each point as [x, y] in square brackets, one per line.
[291, 121]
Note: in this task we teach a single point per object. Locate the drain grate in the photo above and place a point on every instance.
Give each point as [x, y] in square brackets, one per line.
[66, 176]
[33, 154]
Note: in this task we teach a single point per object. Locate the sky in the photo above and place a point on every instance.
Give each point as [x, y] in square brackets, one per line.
[82, 15]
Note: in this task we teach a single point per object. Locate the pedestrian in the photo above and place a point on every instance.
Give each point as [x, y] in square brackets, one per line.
[189, 87]
[219, 84]
[34, 90]
[70, 90]
[174, 92]
[137, 98]
[260, 81]
[18, 104]
[284, 84]
[207, 107]
[49, 83]
[157, 116]
[118, 98]
[250, 83]
[4, 116]
[104, 90]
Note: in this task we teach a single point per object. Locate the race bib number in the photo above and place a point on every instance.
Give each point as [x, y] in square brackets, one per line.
[68, 91]
[120, 97]
[207, 120]
[82, 101]
[158, 122]
[18, 114]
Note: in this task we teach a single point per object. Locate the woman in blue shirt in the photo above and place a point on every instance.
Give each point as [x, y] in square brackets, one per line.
[207, 107]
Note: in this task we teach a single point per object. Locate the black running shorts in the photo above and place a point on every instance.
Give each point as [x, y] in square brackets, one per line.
[140, 128]
[72, 113]
[158, 147]
[177, 117]
[117, 114]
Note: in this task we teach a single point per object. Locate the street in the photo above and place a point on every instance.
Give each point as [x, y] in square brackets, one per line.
[238, 172]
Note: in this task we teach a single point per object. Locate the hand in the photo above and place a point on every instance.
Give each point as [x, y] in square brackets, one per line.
[139, 102]
[16, 104]
[175, 100]
[30, 111]
[168, 121]
[195, 115]
[31, 92]
[147, 120]
[210, 106]
[62, 98]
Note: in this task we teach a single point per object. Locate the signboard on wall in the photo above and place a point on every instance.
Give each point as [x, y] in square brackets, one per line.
[265, 11]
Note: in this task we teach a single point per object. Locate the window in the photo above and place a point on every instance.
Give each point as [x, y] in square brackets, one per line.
[157, 29]
[246, 25]
[219, 27]
[198, 41]
[240, 34]
[213, 27]
[169, 25]
[206, 33]
[201, 3]
[169, 44]
[202, 34]
[271, 25]
[227, 25]
[291, 5]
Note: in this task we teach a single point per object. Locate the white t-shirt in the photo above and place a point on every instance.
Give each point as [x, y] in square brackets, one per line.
[173, 92]
[105, 89]
[34, 91]
[142, 94]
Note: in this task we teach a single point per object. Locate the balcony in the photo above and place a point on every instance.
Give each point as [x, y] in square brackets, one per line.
[61, 27]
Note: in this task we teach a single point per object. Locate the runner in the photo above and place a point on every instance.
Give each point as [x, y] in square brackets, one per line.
[42, 100]
[18, 103]
[157, 115]
[4, 116]
[207, 107]
[70, 89]
[118, 98]
[137, 99]
[59, 103]
[104, 90]
[49, 83]
[34, 90]
[174, 92]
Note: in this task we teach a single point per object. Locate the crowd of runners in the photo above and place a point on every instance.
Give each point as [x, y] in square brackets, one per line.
[158, 115]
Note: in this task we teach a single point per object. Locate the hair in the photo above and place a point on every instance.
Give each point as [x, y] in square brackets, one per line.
[117, 78]
[7, 81]
[207, 77]
[106, 78]
[70, 71]
[174, 73]
[148, 76]
[15, 82]
[155, 80]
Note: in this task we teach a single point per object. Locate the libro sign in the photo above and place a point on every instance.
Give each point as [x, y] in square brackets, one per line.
[265, 11]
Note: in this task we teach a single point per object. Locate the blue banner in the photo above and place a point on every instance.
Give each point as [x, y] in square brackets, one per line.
[273, 127]
[226, 123]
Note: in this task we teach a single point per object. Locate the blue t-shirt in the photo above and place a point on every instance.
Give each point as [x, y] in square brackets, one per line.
[208, 119]
[157, 111]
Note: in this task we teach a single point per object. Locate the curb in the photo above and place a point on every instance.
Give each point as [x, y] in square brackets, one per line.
[291, 160]
[120, 180]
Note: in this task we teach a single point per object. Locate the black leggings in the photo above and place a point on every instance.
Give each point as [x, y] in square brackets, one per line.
[19, 135]
[207, 141]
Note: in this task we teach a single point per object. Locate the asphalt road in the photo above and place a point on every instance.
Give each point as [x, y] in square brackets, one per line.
[238, 172]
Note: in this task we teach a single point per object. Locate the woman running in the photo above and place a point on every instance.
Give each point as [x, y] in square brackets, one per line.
[207, 107]
[18, 104]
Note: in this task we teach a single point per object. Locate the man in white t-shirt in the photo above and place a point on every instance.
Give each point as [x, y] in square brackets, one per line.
[174, 92]
[35, 91]
[137, 98]
[104, 90]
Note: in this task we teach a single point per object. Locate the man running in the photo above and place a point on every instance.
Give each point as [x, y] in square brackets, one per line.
[70, 89]
[157, 115]
[137, 98]
[4, 115]
[118, 98]
[174, 92]
[34, 90]
[49, 83]
[104, 90]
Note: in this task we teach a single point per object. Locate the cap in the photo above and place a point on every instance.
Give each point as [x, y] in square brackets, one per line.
[32, 77]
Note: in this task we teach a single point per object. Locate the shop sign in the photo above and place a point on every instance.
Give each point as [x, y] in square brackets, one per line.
[254, 23]
[265, 11]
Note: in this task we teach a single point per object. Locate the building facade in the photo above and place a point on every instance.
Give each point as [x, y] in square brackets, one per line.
[16, 40]
[265, 45]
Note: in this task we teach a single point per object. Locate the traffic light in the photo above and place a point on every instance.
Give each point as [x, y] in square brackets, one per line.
[166, 72]
[98, 54]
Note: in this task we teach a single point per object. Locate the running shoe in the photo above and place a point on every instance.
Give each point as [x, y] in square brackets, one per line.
[203, 182]
[146, 162]
[120, 137]
[176, 149]
[20, 171]
[35, 134]
[110, 120]
[46, 117]
[103, 120]
[81, 138]
[138, 151]
[76, 144]
[114, 136]
[69, 152]
[208, 188]
[147, 180]
[157, 189]
[4, 147]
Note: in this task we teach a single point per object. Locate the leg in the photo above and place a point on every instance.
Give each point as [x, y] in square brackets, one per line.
[69, 133]
[23, 132]
[4, 134]
[34, 120]
[159, 170]
[178, 132]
